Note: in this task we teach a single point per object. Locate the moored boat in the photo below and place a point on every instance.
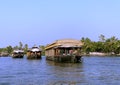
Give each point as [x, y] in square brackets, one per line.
[4, 54]
[34, 53]
[18, 53]
[66, 50]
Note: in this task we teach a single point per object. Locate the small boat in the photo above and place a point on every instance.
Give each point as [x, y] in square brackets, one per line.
[18, 53]
[34, 53]
[4, 54]
[65, 50]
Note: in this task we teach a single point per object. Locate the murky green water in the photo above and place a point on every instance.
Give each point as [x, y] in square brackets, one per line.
[92, 71]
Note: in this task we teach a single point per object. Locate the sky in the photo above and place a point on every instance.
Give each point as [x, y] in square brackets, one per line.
[40, 22]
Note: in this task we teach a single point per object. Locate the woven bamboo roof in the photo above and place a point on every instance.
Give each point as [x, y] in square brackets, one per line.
[65, 43]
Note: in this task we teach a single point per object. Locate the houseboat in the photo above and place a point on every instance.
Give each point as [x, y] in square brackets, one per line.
[4, 54]
[65, 50]
[18, 53]
[34, 53]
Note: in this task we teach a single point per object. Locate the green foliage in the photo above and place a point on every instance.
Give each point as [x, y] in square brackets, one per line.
[9, 49]
[42, 47]
[110, 45]
[20, 45]
[25, 48]
[87, 47]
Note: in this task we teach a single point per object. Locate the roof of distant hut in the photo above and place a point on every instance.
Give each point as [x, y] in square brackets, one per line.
[18, 50]
[66, 43]
[34, 49]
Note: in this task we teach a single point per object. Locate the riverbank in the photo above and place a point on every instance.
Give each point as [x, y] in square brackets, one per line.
[100, 54]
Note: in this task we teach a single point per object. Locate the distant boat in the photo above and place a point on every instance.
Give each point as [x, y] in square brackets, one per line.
[4, 54]
[66, 50]
[34, 53]
[18, 53]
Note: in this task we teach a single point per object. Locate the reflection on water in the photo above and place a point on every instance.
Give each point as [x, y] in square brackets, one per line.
[92, 71]
[66, 73]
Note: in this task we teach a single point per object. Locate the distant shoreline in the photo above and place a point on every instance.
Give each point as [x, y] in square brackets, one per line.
[100, 54]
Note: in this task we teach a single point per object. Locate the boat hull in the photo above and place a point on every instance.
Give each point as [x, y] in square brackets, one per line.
[17, 56]
[68, 59]
[34, 53]
[34, 57]
[18, 53]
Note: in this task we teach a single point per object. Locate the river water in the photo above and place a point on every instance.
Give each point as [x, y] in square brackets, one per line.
[93, 70]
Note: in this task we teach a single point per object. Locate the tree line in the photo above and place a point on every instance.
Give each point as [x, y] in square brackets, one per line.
[9, 49]
[106, 45]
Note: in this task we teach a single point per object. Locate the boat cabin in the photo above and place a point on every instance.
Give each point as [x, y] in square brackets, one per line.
[18, 53]
[66, 50]
[34, 53]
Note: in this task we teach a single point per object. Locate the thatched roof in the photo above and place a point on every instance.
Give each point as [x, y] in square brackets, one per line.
[65, 43]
